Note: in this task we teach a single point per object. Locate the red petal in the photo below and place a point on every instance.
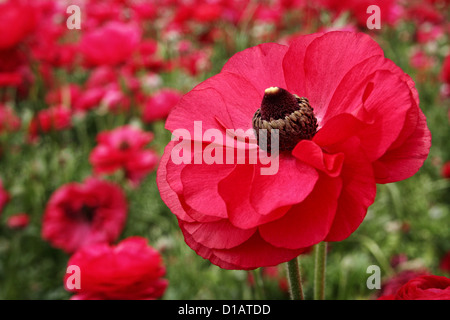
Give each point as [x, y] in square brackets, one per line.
[404, 161]
[219, 234]
[235, 190]
[358, 191]
[255, 253]
[292, 183]
[260, 65]
[306, 223]
[293, 63]
[324, 72]
[168, 195]
[200, 187]
[312, 154]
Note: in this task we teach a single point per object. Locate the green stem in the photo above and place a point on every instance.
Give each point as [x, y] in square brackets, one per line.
[295, 280]
[319, 271]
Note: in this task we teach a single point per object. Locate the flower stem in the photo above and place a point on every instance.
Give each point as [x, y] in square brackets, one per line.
[295, 280]
[319, 271]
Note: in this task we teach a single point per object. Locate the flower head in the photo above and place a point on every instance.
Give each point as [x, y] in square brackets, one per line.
[129, 270]
[346, 118]
[4, 197]
[425, 287]
[78, 214]
[124, 148]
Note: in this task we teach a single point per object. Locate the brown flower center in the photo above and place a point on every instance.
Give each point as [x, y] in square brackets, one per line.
[290, 114]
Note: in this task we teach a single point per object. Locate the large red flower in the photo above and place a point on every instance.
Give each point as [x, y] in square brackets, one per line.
[79, 214]
[427, 287]
[130, 270]
[361, 123]
[124, 148]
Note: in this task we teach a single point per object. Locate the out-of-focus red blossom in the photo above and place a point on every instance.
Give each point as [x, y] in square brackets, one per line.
[390, 10]
[4, 197]
[111, 44]
[195, 62]
[124, 148]
[145, 57]
[130, 270]
[428, 32]
[446, 170]
[237, 217]
[421, 61]
[79, 214]
[271, 274]
[398, 259]
[425, 287]
[392, 284]
[423, 12]
[159, 105]
[104, 87]
[52, 119]
[444, 265]
[18, 221]
[14, 69]
[17, 21]
[9, 121]
[445, 72]
[65, 95]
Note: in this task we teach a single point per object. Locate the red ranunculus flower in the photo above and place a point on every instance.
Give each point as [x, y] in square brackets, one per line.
[360, 124]
[54, 118]
[445, 72]
[79, 214]
[428, 287]
[160, 103]
[130, 270]
[446, 170]
[18, 221]
[9, 121]
[124, 148]
[390, 286]
[444, 265]
[4, 197]
[110, 44]
[22, 17]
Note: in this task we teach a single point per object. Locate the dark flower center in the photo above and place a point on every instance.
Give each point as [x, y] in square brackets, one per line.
[124, 145]
[290, 114]
[85, 213]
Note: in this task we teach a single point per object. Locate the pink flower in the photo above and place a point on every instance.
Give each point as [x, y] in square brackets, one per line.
[444, 265]
[159, 105]
[79, 214]
[445, 72]
[130, 270]
[360, 124]
[4, 197]
[391, 285]
[54, 118]
[18, 221]
[124, 148]
[446, 170]
[427, 287]
[9, 121]
[22, 17]
[110, 44]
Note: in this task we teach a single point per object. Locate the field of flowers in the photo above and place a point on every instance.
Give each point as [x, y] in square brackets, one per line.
[85, 91]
